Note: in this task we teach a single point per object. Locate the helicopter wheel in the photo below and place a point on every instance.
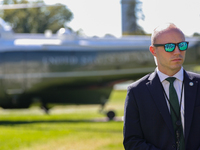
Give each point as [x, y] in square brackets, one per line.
[110, 115]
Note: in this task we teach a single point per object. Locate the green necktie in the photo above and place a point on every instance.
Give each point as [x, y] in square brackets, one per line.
[174, 109]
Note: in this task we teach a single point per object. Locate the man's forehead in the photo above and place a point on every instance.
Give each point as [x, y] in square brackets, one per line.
[168, 31]
[164, 29]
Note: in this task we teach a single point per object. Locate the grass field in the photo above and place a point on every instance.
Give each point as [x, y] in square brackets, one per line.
[66, 128]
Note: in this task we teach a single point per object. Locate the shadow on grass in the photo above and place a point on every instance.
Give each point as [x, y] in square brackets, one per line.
[6, 122]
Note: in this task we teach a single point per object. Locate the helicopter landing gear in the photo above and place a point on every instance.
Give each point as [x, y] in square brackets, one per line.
[110, 114]
[45, 108]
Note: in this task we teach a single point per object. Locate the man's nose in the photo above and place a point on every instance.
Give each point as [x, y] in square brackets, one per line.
[176, 51]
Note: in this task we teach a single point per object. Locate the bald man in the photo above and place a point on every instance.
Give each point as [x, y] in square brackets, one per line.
[162, 109]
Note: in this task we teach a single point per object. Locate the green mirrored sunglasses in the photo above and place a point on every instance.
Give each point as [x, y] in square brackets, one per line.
[170, 47]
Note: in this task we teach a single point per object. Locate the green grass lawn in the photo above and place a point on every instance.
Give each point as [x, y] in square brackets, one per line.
[65, 128]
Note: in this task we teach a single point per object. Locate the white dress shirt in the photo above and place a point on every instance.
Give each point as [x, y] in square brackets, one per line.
[178, 86]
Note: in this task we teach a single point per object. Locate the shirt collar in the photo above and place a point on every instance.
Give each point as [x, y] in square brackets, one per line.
[178, 75]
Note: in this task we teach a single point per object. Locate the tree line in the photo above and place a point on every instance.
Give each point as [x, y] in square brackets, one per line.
[37, 20]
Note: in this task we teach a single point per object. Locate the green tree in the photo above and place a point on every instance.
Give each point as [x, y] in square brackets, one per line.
[133, 13]
[36, 20]
[196, 34]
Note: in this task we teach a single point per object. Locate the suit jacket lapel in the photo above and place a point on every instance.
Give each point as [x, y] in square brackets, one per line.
[155, 87]
[190, 89]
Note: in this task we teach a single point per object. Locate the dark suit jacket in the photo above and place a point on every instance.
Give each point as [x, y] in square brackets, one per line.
[147, 121]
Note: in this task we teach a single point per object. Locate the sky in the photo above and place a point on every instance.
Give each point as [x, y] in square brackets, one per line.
[100, 17]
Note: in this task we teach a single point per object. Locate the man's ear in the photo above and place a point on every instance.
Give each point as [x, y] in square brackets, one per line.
[152, 50]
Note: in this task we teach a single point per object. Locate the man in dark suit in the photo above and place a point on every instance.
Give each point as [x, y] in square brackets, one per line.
[151, 120]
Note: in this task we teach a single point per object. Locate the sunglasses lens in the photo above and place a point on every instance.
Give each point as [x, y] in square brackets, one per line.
[183, 46]
[169, 47]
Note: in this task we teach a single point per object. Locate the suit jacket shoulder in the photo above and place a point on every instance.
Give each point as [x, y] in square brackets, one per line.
[140, 82]
[193, 75]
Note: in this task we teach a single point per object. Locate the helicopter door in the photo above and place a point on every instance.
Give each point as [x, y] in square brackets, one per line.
[14, 66]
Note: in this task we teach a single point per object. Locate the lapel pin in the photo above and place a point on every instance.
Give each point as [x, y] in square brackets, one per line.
[191, 83]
